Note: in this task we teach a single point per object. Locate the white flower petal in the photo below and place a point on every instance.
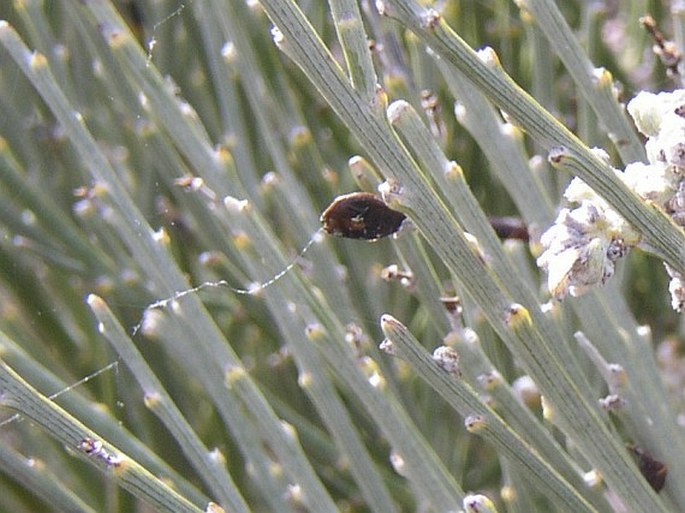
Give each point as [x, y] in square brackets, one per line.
[655, 182]
[648, 109]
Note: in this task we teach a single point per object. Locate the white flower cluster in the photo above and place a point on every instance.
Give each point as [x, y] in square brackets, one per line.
[584, 242]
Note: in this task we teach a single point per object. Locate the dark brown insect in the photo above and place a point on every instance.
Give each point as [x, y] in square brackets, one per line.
[509, 228]
[652, 469]
[361, 215]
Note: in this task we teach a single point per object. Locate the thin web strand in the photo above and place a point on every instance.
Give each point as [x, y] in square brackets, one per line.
[52, 397]
[153, 40]
[258, 287]
[162, 303]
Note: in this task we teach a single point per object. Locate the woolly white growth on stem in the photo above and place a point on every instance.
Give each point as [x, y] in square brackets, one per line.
[584, 242]
[662, 118]
[235, 205]
[448, 360]
[488, 56]
[430, 19]
[391, 191]
[676, 288]
[592, 478]
[228, 51]
[398, 463]
[396, 110]
[648, 109]
[526, 390]
[277, 36]
[580, 251]
[478, 504]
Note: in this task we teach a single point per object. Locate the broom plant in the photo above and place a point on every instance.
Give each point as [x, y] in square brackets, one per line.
[341, 256]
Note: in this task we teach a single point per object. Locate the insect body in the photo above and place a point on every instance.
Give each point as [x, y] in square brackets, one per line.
[361, 215]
